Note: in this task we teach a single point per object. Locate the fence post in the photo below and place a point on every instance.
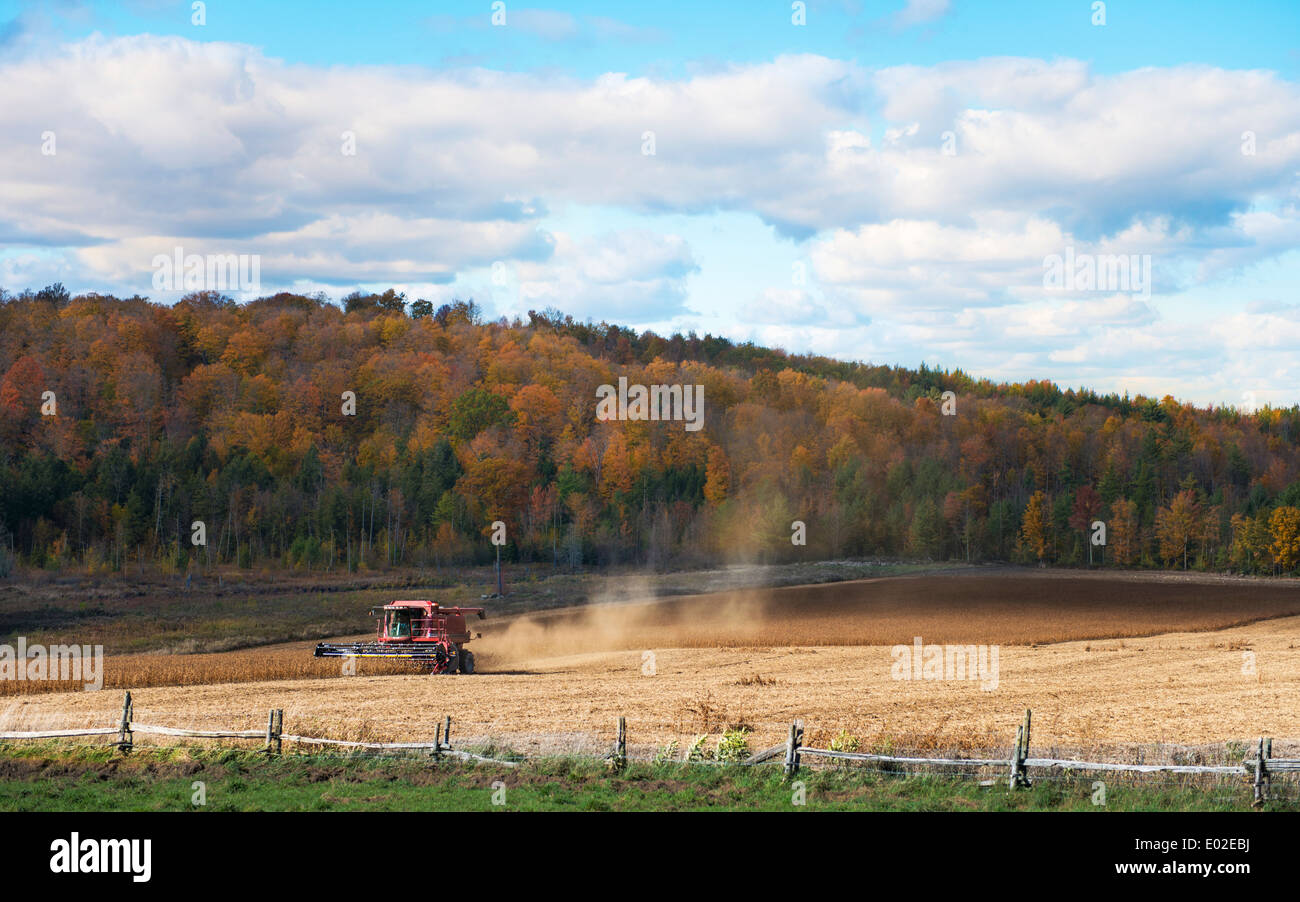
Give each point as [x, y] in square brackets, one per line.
[1268, 774]
[792, 743]
[618, 760]
[1261, 771]
[446, 733]
[1024, 749]
[274, 725]
[1013, 782]
[125, 739]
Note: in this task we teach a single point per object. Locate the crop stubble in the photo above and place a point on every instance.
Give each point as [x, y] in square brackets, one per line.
[1100, 660]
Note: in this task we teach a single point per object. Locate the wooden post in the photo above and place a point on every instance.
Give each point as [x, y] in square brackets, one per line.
[1013, 782]
[1268, 774]
[1019, 777]
[274, 727]
[1260, 774]
[124, 739]
[1024, 749]
[446, 732]
[619, 759]
[792, 743]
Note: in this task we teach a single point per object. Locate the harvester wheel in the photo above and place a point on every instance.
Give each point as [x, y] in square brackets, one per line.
[466, 661]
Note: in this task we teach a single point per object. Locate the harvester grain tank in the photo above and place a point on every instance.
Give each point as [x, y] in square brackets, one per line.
[425, 633]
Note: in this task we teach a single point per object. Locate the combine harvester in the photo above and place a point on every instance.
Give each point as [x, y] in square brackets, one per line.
[429, 636]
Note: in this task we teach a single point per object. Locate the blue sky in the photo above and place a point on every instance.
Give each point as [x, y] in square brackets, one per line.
[671, 38]
[885, 182]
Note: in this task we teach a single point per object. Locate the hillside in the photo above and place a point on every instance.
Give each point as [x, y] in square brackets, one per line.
[237, 416]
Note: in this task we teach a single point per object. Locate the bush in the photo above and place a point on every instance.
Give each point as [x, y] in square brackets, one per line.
[699, 751]
[733, 746]
[844, 742]
[666, 754]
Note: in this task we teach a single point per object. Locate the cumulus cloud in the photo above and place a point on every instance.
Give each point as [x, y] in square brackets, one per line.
[625, 276]
[343, 250]
[790, 306]
[167, 135]
[925, 198]
[160, 139]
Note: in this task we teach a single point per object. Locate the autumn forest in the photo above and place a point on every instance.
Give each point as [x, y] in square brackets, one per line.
[291, 432]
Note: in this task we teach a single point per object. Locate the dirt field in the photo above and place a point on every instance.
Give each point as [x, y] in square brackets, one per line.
[1102, 661]
[995, 606]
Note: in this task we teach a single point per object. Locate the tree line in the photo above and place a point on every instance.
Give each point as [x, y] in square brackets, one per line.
[385, 433]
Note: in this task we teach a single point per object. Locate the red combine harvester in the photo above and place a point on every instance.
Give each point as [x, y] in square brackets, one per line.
[428, 635]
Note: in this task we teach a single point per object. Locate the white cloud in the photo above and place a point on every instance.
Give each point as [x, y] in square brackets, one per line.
[171, 136]
[620, 277]
[906, 267]
[218, 148]
[916, 12]
[552, 25]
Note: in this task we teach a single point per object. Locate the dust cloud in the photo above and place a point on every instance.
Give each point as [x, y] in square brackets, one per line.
[969, 608]
[628, 616]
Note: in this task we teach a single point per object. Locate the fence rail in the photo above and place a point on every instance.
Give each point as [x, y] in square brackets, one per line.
[1260, 767]
[1069, 764]
[274, 736]
[197, 734]
[55, 734]
[895, 759]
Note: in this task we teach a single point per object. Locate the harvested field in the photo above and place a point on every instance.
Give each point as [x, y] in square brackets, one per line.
[1102, 661]
[991, 607]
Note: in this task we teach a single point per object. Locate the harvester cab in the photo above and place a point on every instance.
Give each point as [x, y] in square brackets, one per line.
[430, 636]
[397, 625]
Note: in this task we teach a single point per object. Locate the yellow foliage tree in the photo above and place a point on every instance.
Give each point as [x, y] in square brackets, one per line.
[1033, 529]
[1178, 525]
[1284, 527]
[718, 473]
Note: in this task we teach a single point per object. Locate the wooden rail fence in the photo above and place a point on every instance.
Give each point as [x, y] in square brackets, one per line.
[1260, 767]
[273, 736]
